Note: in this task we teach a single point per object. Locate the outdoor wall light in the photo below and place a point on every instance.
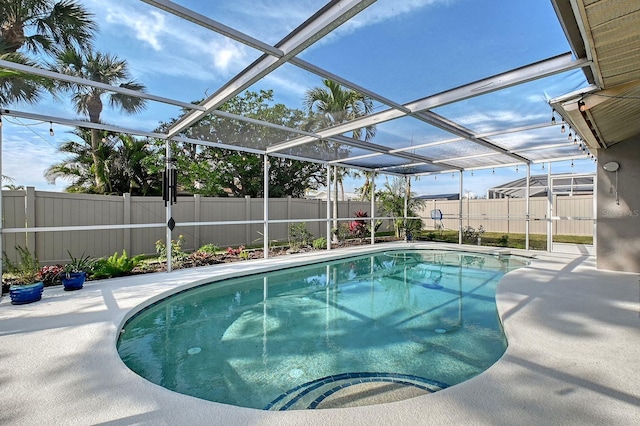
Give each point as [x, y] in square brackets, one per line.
[612, 166]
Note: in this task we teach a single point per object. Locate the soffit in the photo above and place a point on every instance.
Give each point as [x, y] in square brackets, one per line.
[611, 33]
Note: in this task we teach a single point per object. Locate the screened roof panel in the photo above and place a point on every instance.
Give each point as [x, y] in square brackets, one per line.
[485, 161]
[438, 45]
[549, 138]
[452, 150]
[380, 161]
[514, 107]
[407, 132]
[446, 79]
[416, 169]
[173, 57]
[277, 20]
[289, 86]
[236, 133]
[567, 152]
[324, 151]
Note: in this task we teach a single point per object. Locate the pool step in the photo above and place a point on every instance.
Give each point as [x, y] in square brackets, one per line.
[354, 389]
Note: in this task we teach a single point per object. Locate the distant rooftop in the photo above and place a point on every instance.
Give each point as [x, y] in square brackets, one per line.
[539, 184]
[455, 196]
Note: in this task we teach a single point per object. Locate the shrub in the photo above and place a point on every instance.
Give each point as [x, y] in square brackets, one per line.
[320, 243]
[359, 228]
[115, 266]
[209, 249]
[26, 270]
[202, 258]
[177, 255]
[299, 236]
[471, 234]
[342, 232]
[503, 241]
[50, 274]
[234, 251]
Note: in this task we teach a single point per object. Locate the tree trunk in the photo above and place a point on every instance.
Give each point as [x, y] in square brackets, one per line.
[13, 36]
[94, 108]
[98, 165]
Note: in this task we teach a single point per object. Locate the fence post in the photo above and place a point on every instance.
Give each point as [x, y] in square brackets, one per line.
[197, 199]
[30, 219]
[126, 207]
[433, 208]
[508, 216]
[247, 216]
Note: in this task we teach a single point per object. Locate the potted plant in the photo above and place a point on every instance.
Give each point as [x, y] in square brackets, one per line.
[75, 272]
[26, 286]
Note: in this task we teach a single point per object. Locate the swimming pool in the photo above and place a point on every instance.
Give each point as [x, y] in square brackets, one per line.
[354, 331]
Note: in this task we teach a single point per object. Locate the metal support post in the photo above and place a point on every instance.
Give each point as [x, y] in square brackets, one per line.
[265, 189]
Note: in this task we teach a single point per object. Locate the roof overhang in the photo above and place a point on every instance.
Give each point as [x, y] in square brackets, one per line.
[607, 33]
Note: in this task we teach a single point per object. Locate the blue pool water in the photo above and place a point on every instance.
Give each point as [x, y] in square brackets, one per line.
[296, 338]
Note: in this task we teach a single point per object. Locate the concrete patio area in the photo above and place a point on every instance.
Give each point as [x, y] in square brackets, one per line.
[573, 355]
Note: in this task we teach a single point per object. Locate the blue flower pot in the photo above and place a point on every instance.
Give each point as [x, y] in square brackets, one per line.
[73, 281]
[22, 294]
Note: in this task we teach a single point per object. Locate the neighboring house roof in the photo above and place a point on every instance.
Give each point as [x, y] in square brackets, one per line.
[322, 195]
[455, 196]
[538, 185]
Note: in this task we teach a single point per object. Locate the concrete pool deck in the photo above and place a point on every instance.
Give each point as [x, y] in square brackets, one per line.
[573, 356]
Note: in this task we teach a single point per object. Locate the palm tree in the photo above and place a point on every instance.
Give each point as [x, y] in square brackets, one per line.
[44, 26]
[365, 189]
[392, 204]
[332, 105]
[123, 171]
[126, 168]
[103, 68]
[16, 86]
[41, 27]
[10, 183]
[78, 166]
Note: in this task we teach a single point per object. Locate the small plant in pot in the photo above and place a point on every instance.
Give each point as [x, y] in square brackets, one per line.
[26, 286]
[75, 272]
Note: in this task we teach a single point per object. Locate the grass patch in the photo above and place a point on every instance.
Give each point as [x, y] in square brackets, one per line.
[497, 239]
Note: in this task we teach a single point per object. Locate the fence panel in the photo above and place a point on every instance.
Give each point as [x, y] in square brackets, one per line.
[145, 210]
[493, 215]
[32, 208]
[62, 209]
[577, 206]
[223, 209]
[13, 216]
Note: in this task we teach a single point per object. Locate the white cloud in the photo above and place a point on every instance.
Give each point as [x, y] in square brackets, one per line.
[382, 11]
[147, 28]
[292, 87]
[167, 34]
[27, 154]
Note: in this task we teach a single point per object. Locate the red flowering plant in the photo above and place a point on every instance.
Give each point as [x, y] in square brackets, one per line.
[359, 228]
[50, 274]
[234, 251]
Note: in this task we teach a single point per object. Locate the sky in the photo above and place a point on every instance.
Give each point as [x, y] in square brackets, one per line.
[402, 50]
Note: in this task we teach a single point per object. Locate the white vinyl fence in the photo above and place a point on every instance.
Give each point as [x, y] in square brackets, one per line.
[36, 209]
[572, 215]
[146, 222]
